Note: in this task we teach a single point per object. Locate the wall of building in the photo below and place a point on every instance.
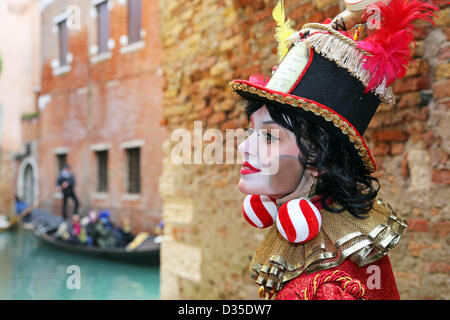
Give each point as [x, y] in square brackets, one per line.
[207, 242]
[19, 49]
[409, 141]
[104, 101]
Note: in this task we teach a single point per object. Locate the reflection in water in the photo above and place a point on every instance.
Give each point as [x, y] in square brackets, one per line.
[30, 269]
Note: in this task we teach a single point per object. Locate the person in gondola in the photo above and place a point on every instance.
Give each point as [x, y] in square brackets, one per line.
[66, 184]
[63, 231]
[104, 232]
[75, 230]
[328, 231]
[90, 228]
[124, 234]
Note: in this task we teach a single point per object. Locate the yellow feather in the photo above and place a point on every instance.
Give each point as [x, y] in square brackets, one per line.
[284, 29]
[278, 13]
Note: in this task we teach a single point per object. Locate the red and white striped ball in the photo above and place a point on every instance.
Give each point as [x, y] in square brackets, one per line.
[299, 220]
[259, 210]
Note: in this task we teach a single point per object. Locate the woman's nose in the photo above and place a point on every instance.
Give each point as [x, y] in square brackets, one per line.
[242, 147]
[249, 146]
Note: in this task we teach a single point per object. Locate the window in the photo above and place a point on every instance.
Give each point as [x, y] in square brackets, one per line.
[102, 171]
[62, 160]
[63, 42]
[134, 170]
[134, 20]
[103, 26]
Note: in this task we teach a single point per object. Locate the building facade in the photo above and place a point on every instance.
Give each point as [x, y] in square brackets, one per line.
[100, 108]
[19, 85]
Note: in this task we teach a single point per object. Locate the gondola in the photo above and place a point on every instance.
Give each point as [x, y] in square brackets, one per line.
[144, 249]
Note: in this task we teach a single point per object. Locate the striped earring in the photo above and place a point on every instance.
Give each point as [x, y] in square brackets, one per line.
[299, 220]
[260, 210]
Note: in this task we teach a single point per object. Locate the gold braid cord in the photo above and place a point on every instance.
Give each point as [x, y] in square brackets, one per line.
[337, 34]
[342, 236]
[351, 286]
[345, 52]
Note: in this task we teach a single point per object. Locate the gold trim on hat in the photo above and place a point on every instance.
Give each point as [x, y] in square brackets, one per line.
[346, 129]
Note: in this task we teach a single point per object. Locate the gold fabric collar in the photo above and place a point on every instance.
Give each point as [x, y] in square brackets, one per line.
[342, 236]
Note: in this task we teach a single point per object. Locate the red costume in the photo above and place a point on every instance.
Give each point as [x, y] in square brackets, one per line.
[345, 282]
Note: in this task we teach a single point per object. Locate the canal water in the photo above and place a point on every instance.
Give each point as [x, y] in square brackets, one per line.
[31, 269]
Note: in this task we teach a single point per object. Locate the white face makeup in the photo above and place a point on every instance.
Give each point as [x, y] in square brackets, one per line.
[270, 158]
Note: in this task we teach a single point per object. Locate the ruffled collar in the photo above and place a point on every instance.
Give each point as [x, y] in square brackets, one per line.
[342, 236]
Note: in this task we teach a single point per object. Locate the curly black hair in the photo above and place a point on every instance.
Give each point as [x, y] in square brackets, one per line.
[345, 178]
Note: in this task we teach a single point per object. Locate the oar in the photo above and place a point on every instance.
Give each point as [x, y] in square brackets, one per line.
[19, 217]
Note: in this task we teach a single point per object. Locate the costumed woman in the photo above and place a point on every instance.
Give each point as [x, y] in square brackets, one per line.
[329, 233]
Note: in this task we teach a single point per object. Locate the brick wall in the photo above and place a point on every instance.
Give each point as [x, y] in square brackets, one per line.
[208, 244]
[409, 141]
[204, 252]
[112, 101]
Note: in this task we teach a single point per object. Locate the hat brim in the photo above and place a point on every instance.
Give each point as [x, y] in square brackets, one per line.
[251, 90]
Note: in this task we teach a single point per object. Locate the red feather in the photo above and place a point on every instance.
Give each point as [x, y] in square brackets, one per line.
[389, 45]
[259, 79]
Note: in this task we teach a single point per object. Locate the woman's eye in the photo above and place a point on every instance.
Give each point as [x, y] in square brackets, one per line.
[270, 138]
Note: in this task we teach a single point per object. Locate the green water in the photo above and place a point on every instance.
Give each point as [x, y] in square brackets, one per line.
[30, 269]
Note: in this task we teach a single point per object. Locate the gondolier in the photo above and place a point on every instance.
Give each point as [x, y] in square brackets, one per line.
[66, 184]
[329, 233]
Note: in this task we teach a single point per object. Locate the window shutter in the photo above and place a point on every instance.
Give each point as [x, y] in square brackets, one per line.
[63, 42]
[103, 26]
[102, 171]
[134, 171]
[62, 160]
[134, 20]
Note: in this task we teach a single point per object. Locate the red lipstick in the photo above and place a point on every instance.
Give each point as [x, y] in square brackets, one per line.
[247, 168]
